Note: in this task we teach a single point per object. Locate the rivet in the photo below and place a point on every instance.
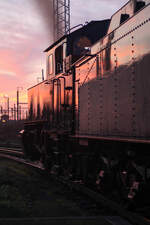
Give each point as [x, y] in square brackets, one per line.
[133, 122]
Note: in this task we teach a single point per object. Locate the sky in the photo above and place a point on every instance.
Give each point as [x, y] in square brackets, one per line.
[25, 32]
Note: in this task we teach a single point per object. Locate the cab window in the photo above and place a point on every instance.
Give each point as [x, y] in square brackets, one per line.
[124, 17]
[139, 5]
[50, 64]
[59, 59]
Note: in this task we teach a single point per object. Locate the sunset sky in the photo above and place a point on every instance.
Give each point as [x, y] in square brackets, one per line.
[25, 31]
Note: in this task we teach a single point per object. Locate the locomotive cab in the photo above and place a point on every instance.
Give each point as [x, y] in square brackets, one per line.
[69, 48]
[55, 59]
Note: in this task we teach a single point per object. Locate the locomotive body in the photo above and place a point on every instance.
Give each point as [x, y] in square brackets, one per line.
[114, 84]
[52, 99]
[90, 119]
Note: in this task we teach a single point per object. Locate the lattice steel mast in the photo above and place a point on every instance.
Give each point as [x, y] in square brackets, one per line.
[61, 10]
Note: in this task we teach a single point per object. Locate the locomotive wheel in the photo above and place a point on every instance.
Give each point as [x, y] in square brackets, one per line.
[46, 162]
[105, 179]
[120, 182]
[25, 143]
[128, 182]
[30, 148]
[45, 158]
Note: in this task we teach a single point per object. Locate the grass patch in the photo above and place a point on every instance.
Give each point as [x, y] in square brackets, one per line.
[26, 193]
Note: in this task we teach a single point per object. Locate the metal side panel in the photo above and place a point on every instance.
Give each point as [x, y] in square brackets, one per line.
[146, 91]
[143, 96]
[94, 107]
[83, 109]
[125, 103]
[139, 110]
[108, 106]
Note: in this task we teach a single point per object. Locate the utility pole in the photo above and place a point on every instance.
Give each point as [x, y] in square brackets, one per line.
[42, 74]
[61, 16]
[17, 103]
[26, 114]
[20, 114]
[8, 106]
[7, 110]
[1, 110]
[14, 112]
[18, 88]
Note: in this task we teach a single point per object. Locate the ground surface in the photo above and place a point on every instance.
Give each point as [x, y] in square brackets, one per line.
[26, 193]
[9, 133]
[29, 197]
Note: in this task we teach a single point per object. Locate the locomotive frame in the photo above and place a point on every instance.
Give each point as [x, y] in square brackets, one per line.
[89, 120]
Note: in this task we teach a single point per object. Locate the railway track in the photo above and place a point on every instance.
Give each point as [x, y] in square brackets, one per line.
[11, 151]
[17, 155]
[112, 213]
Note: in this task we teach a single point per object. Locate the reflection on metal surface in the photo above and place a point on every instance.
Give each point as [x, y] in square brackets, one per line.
[80, 45]
[53, 103]
[105, 83]
[112, 103]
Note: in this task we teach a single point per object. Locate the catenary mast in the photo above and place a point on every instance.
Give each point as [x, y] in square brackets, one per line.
[61, 10]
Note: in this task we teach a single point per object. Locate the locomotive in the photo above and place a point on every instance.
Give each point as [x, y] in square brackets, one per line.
[90, 119]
